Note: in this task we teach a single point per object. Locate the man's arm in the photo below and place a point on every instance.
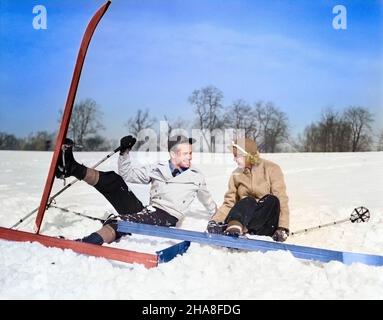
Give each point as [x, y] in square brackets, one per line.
[204, 196]
[228, 202]
[133, 174]
[125, 169]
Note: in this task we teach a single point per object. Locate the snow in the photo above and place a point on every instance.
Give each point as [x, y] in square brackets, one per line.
[322, 188]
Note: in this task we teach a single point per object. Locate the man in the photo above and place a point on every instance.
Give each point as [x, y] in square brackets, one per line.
[174, 185]
[256, 201]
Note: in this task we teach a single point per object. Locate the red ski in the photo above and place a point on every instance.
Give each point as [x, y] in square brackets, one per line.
[68, 111]
[128, 256]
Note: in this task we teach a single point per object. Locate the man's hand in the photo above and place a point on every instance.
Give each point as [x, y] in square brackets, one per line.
[216, 227]
[127, 143]
[281, 234]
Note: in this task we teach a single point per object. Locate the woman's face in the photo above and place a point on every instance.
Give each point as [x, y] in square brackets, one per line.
[240, 160]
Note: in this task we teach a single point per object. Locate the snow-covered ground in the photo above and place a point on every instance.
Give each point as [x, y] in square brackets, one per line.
[322, 188]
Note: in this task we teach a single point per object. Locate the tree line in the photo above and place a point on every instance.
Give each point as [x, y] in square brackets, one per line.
[84, 129]
[346, 131]
[349, 131]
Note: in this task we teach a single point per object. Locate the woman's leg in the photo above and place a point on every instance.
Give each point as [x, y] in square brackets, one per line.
[240, 215]
[258, 217]
[265, 217]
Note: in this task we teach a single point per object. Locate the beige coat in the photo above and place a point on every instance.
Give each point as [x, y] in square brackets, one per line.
[264, 178]
[172, 194]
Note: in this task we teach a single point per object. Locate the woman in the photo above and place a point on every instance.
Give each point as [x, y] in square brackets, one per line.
[256, 201]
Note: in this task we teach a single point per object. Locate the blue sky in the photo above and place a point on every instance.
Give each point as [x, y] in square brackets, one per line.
[154, 53]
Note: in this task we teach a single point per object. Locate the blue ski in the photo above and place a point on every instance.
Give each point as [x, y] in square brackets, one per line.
[301, 252]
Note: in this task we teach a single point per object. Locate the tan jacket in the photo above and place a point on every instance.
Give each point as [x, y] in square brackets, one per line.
[264, 178]
[172, 194]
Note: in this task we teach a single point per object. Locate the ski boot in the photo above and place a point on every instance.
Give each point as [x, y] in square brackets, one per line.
[67, 166]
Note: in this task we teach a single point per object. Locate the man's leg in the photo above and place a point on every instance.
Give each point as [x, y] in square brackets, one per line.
[109, 184]
[115, 190]
[108, 233]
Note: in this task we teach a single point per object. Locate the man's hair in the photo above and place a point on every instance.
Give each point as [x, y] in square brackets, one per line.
[174, 141]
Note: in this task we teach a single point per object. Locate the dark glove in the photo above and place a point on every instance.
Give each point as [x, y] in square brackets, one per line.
[127, 143]
[214, 227]
[281, 234]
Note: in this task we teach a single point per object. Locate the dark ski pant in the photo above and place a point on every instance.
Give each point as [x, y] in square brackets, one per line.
[259, 217]
[128, 206]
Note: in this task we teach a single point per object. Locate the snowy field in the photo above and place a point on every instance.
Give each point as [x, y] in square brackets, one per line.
[321, 187]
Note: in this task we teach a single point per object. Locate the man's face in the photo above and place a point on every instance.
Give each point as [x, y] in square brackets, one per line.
[182, 156]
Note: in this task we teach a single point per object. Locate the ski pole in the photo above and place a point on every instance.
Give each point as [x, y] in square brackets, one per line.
[63, 189]
[359, 214]
[78, 213]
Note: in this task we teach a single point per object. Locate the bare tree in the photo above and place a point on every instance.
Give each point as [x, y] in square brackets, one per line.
[98, 143]
[41, 141]
[177, 123]
[139, 122]
[342, 141]
[333, 134]
[310, 139]
[359, 119]
[273, 126]
[330, 134]
[9, 142]
[240, 116]
[380, 142]
[207, 103]
[85, 121]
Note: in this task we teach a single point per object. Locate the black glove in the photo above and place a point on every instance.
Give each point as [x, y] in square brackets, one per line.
[281, 234]
[214, 227]
[127, 143]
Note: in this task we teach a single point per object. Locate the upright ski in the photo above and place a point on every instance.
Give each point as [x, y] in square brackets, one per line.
[148, 260]
[68, 111]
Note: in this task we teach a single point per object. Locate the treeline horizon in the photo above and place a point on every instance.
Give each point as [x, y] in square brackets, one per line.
[349, 130]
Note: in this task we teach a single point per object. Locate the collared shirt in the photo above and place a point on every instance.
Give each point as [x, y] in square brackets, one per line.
[176, 171]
